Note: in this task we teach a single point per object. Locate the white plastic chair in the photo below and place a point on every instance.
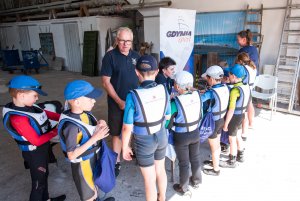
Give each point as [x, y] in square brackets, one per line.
[266, 83]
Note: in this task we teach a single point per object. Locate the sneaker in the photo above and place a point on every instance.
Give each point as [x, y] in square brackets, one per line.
[230, 163]
[59, 198]
[224, 148]
[106, 199]
[240, 156]
[179, 190]
[117, 169]
[208, 162]
[193, 184]
[110, 199]
[211, 172]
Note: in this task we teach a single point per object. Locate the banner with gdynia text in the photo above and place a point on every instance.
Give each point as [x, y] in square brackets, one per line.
[177, 28]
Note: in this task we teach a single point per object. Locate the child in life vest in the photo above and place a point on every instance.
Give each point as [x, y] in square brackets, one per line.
[30, 127]
[80, 136]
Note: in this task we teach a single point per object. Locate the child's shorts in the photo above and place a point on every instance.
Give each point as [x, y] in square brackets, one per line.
[218, 128]
[83, 177]
[235, 124]
[150, 147]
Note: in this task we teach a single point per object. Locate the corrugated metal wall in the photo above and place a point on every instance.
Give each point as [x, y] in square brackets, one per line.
[73, 47]
[3, 38]
[24, 38]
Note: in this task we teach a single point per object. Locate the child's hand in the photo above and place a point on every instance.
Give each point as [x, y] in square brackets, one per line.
[225, 128]
[101, 123]
[127, 153]
[100, 133]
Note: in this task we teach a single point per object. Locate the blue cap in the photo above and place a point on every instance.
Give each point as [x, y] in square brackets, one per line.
[79, 88]
[226, 72]
[238, 70]
[146, 63]
[24, 82]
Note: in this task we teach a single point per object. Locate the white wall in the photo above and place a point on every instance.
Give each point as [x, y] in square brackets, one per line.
[56, 27]
[271, 29]
[103, 24]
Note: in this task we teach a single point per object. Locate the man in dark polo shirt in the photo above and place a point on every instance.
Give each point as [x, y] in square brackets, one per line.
[118, 77]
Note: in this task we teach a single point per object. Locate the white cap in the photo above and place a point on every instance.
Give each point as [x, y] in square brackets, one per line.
[215, 72]
[184, 79]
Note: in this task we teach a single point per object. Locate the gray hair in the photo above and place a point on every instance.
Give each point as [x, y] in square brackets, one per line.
[124, 29]
[185, 86]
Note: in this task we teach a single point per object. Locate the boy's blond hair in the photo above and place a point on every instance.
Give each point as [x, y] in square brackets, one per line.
[14, 92]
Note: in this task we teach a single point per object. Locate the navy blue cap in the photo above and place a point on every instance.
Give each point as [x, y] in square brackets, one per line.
[238, 70]
[24, 82]
[146, 63]
[79, 88]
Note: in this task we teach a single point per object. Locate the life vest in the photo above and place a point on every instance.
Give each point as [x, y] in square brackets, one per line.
[221, 95]
[150, 111]
[87, 132]
[244, 99]
[189, 112]
[38, 120]
[250, 76]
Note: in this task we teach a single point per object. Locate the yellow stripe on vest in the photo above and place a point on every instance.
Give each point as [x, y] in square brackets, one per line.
[86, 168]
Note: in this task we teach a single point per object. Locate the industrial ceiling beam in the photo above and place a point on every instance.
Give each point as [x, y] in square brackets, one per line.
[104, 10]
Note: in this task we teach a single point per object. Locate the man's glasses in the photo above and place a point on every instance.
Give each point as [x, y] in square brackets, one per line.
[124, 41]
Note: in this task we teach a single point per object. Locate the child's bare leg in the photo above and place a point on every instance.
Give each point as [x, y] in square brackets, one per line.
[215, 152]
[233, 145]
[245, 126]
[161, 178]
[251, 113]
[149, 176]
[239, 141]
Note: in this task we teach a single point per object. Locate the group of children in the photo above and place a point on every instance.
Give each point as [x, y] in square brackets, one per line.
[150, 113]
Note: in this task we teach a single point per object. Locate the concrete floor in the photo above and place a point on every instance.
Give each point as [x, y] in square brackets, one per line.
[270, 172]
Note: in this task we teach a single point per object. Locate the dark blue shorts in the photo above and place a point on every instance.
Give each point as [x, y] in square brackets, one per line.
[150, 147]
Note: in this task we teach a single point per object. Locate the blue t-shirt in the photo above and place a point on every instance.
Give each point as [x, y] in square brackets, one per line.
[208, 95]
[253, 54]
[129, 111]
[121, 69]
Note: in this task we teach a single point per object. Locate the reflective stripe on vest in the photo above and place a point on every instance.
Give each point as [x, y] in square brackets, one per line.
[189, 112]
[150, 106]
[221, 95]
[250, 75]
[243, 100]
[87, 131]
[39, 122]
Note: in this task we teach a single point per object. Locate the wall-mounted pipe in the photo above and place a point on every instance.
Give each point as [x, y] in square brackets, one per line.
[98, 11]
[69, 4]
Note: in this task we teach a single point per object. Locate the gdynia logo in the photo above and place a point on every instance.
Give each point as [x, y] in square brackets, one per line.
[183, 33]
[178, 33]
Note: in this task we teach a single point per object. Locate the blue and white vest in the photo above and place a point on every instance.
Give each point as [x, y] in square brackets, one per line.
[250, 76]
[221, 95]
[151, 104]
[87, 132]
[244, 99]
[39, 121]
[189, 112]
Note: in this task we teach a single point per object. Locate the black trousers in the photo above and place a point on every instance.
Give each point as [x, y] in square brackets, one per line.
[37, 161]
[187, 148]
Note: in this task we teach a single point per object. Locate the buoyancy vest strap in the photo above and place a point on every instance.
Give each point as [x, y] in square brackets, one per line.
[184, 115]
[219, 113]
[87, 152]
[149, 124]
[186, 124]
[143, 110]
[23, 142]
